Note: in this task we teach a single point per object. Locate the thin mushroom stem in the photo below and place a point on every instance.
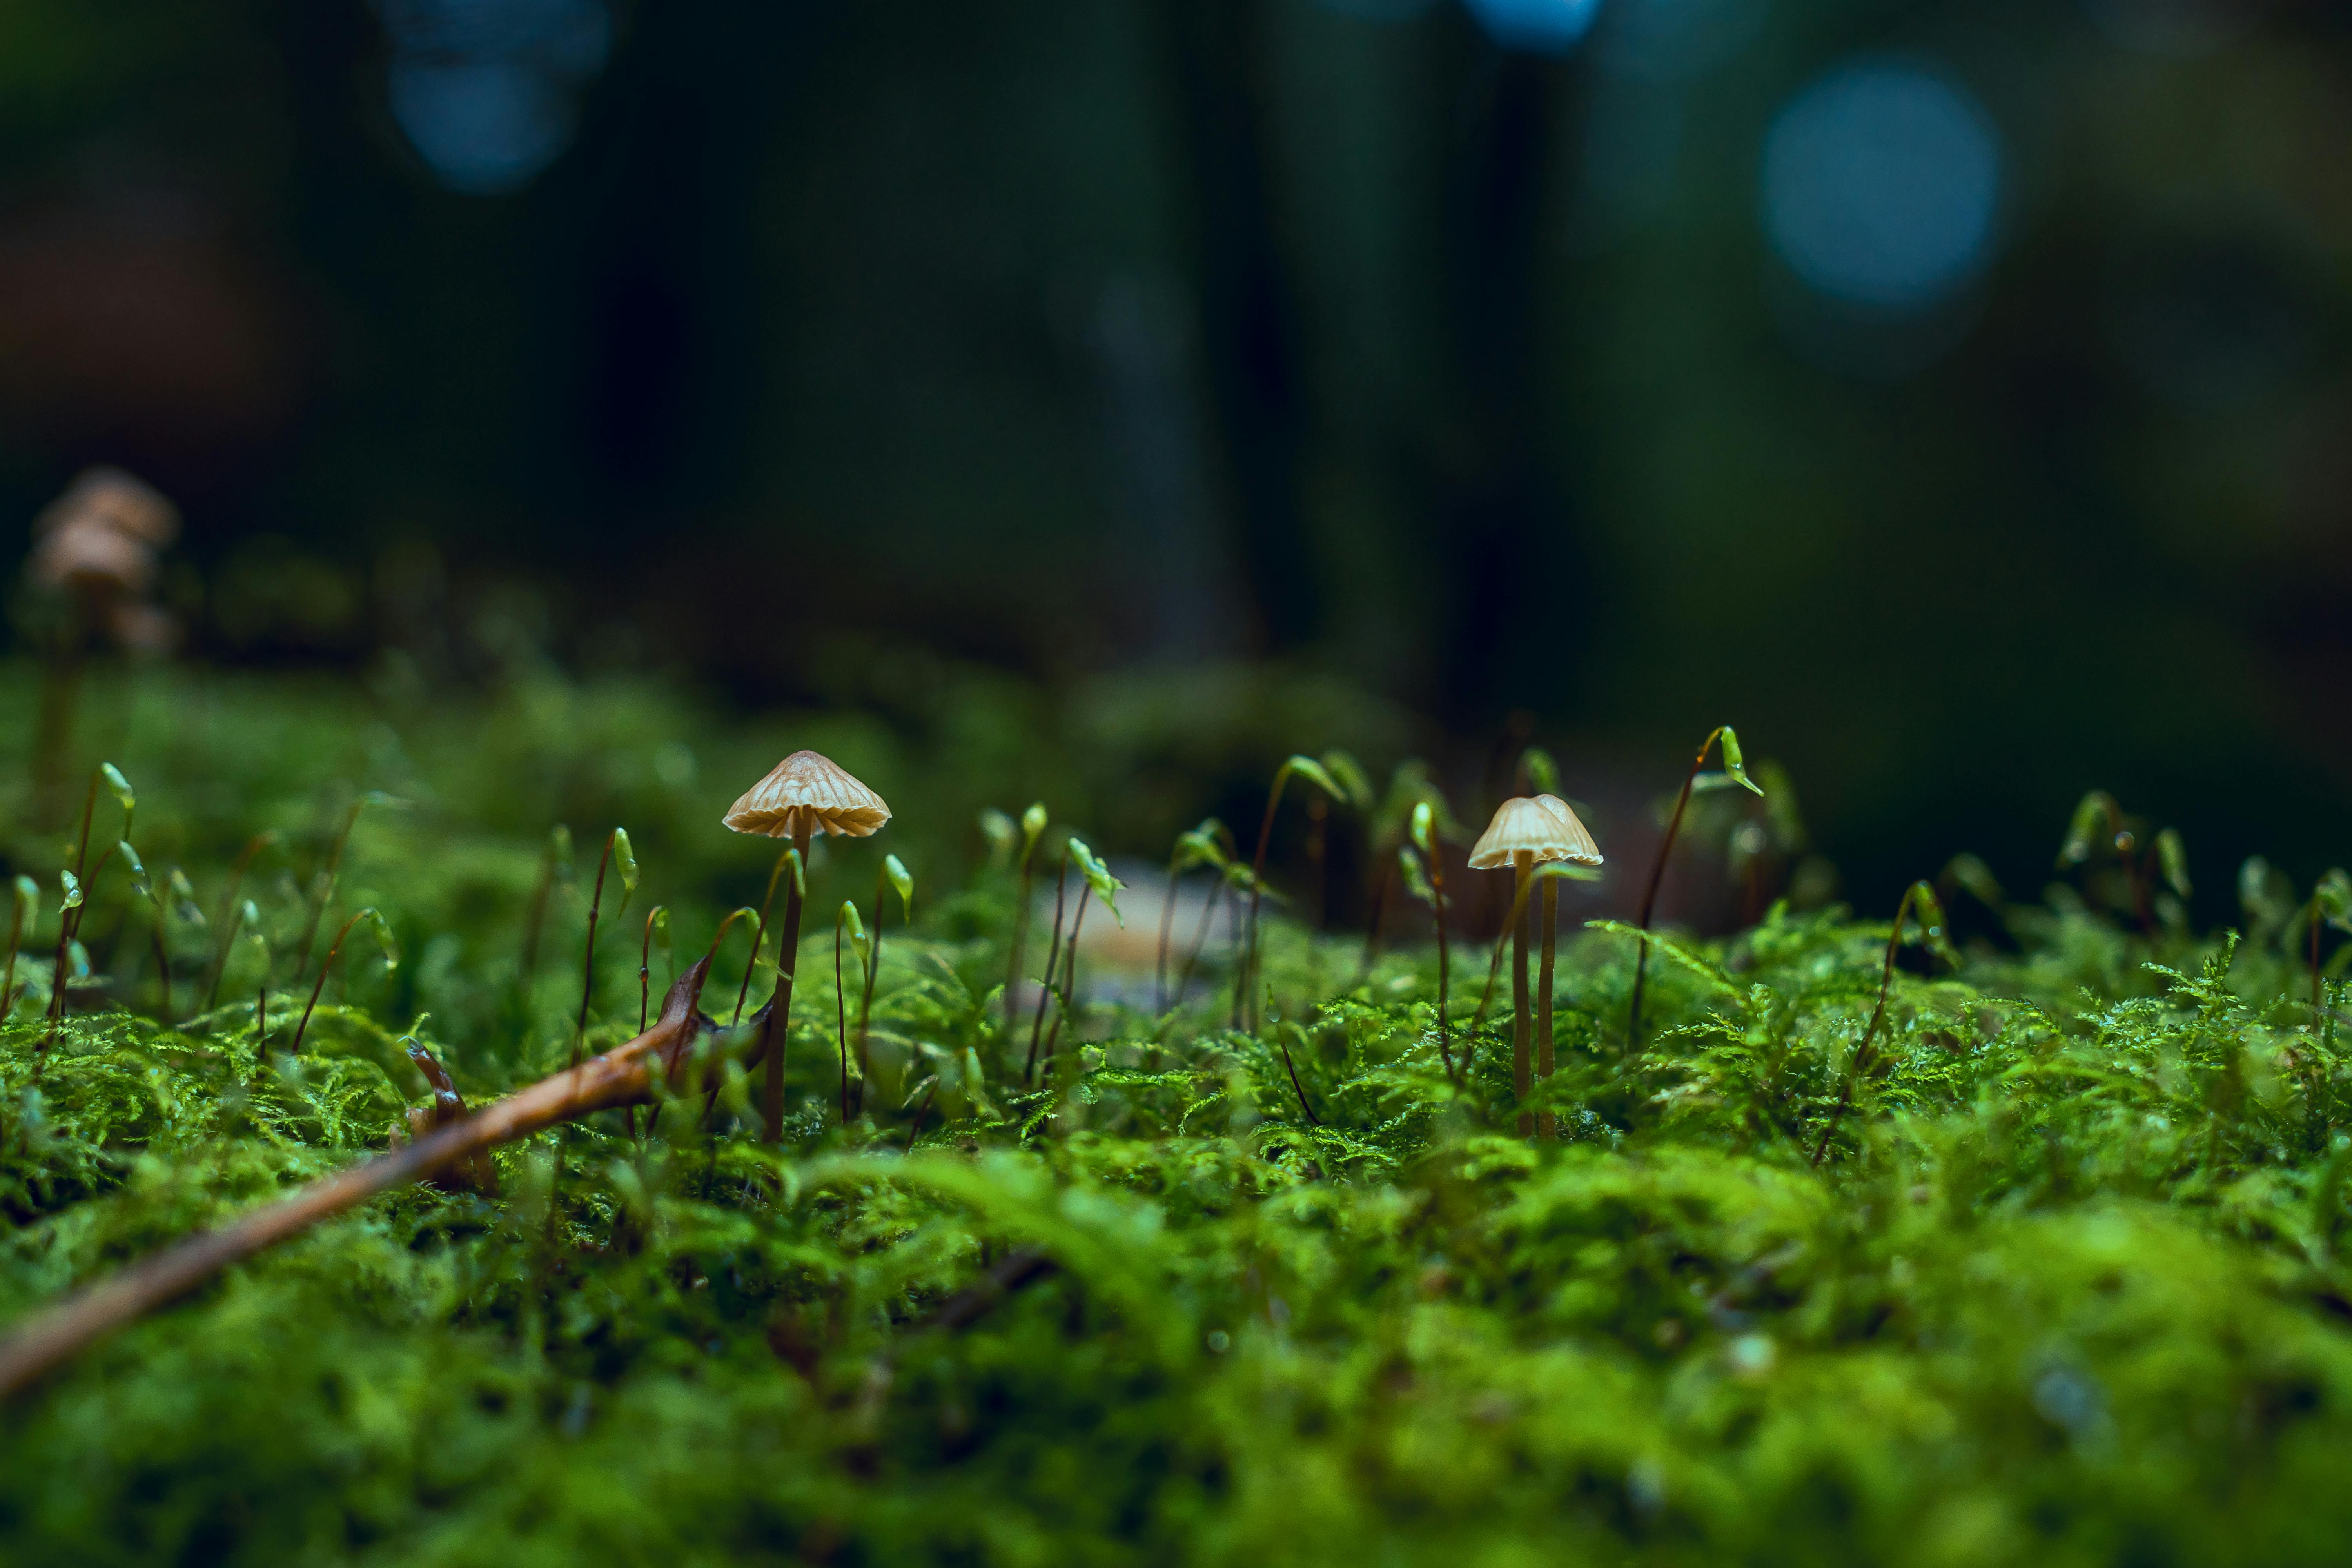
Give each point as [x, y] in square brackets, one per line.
[1650, 895]
[320, 983]
[1523, 867]
[777, 1029]
[1053, 951]
[230, 913]
[1547, 1123]
[1495, 962]
[841, 1016]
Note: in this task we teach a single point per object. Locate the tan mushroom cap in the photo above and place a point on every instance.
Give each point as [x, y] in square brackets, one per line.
[88, 553]
[807, 793]
[1540, 826]
[106, 495]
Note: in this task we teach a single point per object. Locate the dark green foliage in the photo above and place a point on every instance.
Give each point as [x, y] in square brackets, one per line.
[2066, 1286]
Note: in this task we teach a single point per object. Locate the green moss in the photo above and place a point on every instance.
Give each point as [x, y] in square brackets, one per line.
[2065, 1286]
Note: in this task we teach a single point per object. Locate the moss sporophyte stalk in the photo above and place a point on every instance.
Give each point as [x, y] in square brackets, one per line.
[1860, 1241]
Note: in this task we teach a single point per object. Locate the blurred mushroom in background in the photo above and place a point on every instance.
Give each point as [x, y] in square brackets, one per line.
[92, 571]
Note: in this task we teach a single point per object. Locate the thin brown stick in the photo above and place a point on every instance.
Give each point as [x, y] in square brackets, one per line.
[69, 922]
[1650, 894]
[645, 966]
[1319, 822]
[1244, 1004]
[2315, 959]
[15, 936]
[760, 931]
[1217, 894]
[920, 1112]
[162, 965]
[1167, 924]
[1295, 1087]
[325, 885]
[320, 983]
[1069, 977]
[1053, 951]
[1862, 1057]
[1020, 937]
[1378, 915]
[628, 1075]
[588, 961]
[231, 913]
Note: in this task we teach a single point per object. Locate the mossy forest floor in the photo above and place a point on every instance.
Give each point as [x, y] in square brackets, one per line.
[2067, 1285]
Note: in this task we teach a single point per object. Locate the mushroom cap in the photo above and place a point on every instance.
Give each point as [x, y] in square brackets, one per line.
[108, 495]
[91, 554]
[807, 793]
[1587, 851]
[1540, 826]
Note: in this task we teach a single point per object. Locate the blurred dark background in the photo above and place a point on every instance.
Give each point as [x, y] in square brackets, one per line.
[1952, 393]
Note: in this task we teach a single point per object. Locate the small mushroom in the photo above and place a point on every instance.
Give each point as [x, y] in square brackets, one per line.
[803, 796]
[94, 554]
[109, 496]
[91, 556]
[1529, 831]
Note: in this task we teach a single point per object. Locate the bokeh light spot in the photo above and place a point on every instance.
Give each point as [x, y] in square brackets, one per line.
[1882, 182]
[1543, 27]
[485, 90]
[1674, 40]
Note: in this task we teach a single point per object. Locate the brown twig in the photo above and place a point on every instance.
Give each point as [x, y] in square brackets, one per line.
[628, 1075]
[1650, 894]
[588, 962]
